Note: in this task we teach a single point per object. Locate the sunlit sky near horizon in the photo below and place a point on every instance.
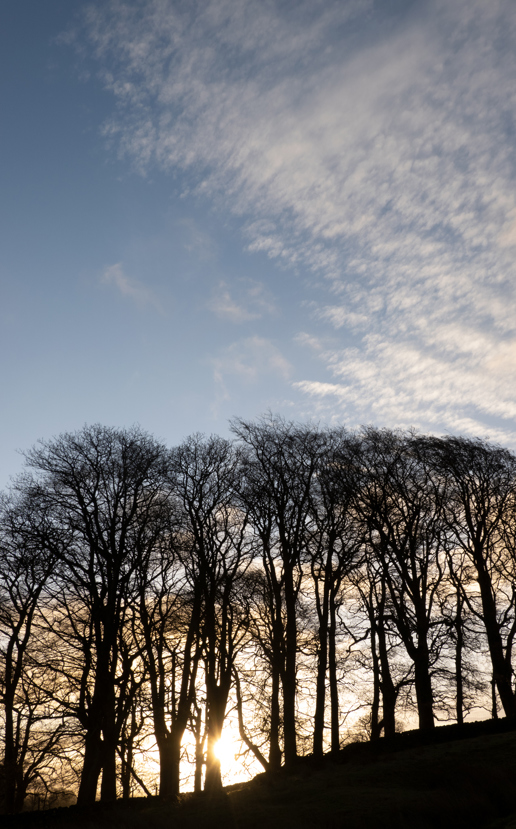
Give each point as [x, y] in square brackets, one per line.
[212, 209]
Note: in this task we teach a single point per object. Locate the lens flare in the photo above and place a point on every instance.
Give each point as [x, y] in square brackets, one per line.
[224, 751]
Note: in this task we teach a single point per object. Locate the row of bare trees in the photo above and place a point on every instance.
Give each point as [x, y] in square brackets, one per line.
[295, 575]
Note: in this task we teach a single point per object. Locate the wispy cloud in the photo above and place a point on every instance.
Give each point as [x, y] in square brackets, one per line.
[249, 359]
[252, 301]
[374, 148]
[402, 383]
[130, 288]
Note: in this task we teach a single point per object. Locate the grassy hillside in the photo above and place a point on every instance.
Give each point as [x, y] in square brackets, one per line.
[401, 783]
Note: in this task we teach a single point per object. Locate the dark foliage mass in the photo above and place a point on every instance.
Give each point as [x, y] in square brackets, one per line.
[314, 585]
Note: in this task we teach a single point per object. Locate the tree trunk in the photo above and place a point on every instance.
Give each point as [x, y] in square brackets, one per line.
[108, 784]
[424, 694]
[197, 728]
[91, 768]
[169, 746]
[274, 733]
[387, 685]
[502, 669]
[109, 745]
[289, 678]
[376, 725]
[217, 697]
[213, 779]
[199, 762]
[332, 676]
[9, 760]
[322, 662]
[126, 762]
[20, 790]
[459, 681]
[320, 693]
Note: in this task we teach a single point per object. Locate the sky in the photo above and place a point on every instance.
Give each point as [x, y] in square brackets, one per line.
[217, 208]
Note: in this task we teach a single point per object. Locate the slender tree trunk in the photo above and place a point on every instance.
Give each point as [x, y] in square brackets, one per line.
[494, 706]
[320, 693]
[459, 680]
[14, 782]
[20, 790]
[332, 677]
[196, 720]
[376, 725]
[289, 680]
[274, 732]
[125, 771]
[199, 761]
[10, 758]
[277, 663]
[387, 685]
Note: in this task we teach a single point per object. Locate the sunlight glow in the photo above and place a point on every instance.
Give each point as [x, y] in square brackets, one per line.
[225, 752]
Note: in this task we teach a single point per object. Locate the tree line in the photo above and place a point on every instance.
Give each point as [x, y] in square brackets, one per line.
[301, 577]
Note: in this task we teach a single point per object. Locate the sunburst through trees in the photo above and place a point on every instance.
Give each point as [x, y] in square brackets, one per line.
[170, 618]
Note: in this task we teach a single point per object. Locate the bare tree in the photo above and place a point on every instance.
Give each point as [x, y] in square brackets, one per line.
[170, 617]
[480, 506]
[334, 549]
[403, 507]
[28, 548]
[103, 489]
[281, 461]
[370, 588]
[214, 553]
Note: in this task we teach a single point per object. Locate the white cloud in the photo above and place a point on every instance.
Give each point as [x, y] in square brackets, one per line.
[131, 288]
[377, 151]
[404, 384]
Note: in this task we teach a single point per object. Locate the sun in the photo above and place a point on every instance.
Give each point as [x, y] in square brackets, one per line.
[225, 751]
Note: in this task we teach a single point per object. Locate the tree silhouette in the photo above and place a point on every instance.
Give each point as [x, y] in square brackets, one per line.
[296, 577]
[103, 489]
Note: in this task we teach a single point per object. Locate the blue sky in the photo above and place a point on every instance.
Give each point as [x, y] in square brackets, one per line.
[216, 208]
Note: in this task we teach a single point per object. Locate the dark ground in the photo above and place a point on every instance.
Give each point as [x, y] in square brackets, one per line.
[457, 778]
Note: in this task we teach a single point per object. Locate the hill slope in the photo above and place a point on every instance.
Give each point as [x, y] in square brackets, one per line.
[456, 783]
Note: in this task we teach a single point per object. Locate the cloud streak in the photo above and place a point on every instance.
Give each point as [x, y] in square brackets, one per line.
[132, 289]
[249, 359]
[377, 151]
[252, 303]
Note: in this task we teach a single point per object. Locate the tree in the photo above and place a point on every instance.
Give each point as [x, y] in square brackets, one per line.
[479, 507]
[170, 617]
[214, 552]
[102, 488]
[369, 585]
[465, 641]
[281, 461]
[28, 547]
[334, 549]
[403, 507]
